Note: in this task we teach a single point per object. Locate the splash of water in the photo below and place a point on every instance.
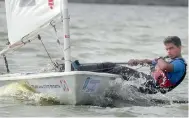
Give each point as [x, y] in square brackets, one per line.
[22, 92]
[48, 68]
[125, 93]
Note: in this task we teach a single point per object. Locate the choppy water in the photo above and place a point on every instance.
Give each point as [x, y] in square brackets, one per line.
[102, 33]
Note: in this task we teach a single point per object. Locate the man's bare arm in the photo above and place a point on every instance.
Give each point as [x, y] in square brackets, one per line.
[164, 66]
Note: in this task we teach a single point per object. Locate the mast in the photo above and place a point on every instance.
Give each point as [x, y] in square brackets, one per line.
[66, 33]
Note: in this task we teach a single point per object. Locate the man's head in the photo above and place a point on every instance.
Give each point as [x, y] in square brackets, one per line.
[173, 46]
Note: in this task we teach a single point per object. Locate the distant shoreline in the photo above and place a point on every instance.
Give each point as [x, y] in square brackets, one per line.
[135, 2]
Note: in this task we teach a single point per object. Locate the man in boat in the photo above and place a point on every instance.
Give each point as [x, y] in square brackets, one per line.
[166, 72]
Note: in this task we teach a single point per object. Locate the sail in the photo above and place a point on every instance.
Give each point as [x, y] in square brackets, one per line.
[25, 17]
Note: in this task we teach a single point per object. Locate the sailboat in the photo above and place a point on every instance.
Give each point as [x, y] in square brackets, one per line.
[25, 18]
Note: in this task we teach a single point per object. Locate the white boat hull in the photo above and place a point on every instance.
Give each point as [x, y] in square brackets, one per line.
[73, 88]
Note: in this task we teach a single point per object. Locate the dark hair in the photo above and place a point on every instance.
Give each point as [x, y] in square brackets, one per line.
[173, 39]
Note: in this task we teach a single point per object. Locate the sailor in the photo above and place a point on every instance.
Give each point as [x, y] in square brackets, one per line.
[166, 72]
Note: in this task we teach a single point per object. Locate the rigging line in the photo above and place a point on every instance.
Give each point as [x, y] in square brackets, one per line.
[39, 37]
[52, 23]
[67, 48]
[6, 64]
[28, 41]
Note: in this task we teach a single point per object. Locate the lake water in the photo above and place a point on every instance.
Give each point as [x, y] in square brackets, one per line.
[105, 33]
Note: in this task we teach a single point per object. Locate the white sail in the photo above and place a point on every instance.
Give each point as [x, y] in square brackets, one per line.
[24, 17]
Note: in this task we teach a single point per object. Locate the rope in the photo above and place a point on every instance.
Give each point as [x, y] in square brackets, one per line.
[6, 63]
[39, 37]
[52, 23]
[23, 43]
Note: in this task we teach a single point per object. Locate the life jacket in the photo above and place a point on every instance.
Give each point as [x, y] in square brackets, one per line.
[162, 81]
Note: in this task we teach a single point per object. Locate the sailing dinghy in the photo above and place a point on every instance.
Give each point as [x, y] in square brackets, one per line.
[25, 18]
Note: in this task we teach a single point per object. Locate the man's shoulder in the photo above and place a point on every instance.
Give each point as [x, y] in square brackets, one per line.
[179, 61]
[178, 65]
